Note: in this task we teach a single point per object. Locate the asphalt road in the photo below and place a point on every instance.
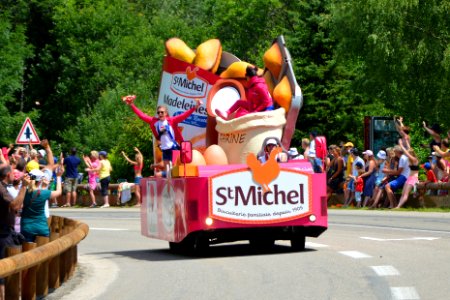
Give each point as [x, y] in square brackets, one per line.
[363, 255]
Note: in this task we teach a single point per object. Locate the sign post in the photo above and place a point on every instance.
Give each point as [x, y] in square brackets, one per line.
[27, 134]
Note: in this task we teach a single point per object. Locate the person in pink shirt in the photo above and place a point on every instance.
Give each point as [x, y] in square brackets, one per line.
[258, 97]
[164, 128]
[92, 164]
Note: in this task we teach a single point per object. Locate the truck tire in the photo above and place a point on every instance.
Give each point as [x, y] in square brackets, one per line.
[298, 242]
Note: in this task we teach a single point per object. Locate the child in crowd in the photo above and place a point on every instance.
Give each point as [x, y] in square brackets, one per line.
[359, 183]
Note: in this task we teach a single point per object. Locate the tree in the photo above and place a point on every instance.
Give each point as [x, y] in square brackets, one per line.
[14, 51]
[402, 49]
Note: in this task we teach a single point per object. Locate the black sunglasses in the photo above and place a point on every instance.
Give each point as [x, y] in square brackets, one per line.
[161, 112]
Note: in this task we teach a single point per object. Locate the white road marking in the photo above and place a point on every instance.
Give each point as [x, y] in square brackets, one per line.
[355, 254]
[107, 229]
[404, 293]
[385, 270]
[390, 228]
[400, 239]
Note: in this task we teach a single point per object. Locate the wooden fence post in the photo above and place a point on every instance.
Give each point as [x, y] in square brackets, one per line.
[29, 276]
[42, 270]
[53, 276]
[12, 282]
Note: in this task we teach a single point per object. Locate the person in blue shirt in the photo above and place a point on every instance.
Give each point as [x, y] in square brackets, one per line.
[71, 164]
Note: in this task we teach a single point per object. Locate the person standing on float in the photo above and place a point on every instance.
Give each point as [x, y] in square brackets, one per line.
[164, 128]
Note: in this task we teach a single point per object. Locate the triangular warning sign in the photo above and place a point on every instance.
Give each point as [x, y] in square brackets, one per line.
[27, 134]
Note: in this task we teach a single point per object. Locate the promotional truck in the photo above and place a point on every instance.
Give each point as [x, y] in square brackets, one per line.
[217, 191]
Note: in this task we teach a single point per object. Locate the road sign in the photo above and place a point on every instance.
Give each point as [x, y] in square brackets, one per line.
[27, 134]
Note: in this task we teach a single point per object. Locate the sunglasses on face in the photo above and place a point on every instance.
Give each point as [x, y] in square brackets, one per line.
[161, 112]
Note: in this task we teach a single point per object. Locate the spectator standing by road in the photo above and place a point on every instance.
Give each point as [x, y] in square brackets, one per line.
[305, 147]
[92, 162]
[33, 163]
[413, 177]
[335, 172]
[443, 151]
[315, 161]
[71, 164]
[138, 165]
[435, 132]
[402, 172]
[354, 153]
[8, 208]
[34, 219]
[369, 176]
[104, 171]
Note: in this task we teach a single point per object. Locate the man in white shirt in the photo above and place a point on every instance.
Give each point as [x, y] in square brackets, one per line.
[402, 172]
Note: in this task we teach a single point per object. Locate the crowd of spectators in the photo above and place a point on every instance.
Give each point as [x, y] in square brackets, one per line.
[368, 179]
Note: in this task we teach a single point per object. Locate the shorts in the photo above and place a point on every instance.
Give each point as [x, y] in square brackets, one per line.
[358, 196]
[378, 181]
[167, 154]
[137, 180]
[104, 183]
[351, 185]
[397, 183]
[70, 185]
[92, 184]
[412, 180]
[316, 164]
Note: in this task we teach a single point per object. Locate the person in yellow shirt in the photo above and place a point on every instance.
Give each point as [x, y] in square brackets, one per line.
[33, 164]
[104, 173]
[348, 159]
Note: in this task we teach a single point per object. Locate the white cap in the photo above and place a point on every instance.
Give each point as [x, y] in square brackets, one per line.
[368, 152]
[271, 141]
[381, 154]
[48, 174]
[37, 173]
[293, 151]
[42, 152]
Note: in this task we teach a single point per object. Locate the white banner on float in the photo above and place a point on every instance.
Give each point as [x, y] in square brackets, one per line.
[180, 84]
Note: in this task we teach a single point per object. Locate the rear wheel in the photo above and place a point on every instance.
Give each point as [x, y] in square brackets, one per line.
[298, 242]
[192, 244]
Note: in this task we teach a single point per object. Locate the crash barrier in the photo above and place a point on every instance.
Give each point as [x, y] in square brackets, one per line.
[427, 195]
[35, 269]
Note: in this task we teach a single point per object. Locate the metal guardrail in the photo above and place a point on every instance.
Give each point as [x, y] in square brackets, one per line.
[33, 269]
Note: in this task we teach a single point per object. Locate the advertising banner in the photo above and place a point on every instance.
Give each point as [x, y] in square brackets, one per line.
[181, 83]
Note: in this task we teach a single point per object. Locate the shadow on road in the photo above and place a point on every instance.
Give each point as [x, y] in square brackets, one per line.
[223, 250]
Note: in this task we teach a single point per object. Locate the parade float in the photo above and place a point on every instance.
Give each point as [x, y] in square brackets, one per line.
[216, 190]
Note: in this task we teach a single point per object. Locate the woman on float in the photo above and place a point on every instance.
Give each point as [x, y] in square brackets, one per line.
[164, 128]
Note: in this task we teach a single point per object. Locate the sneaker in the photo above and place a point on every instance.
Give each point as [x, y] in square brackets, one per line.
[54, 205]
[104, 206]
[93, 205]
